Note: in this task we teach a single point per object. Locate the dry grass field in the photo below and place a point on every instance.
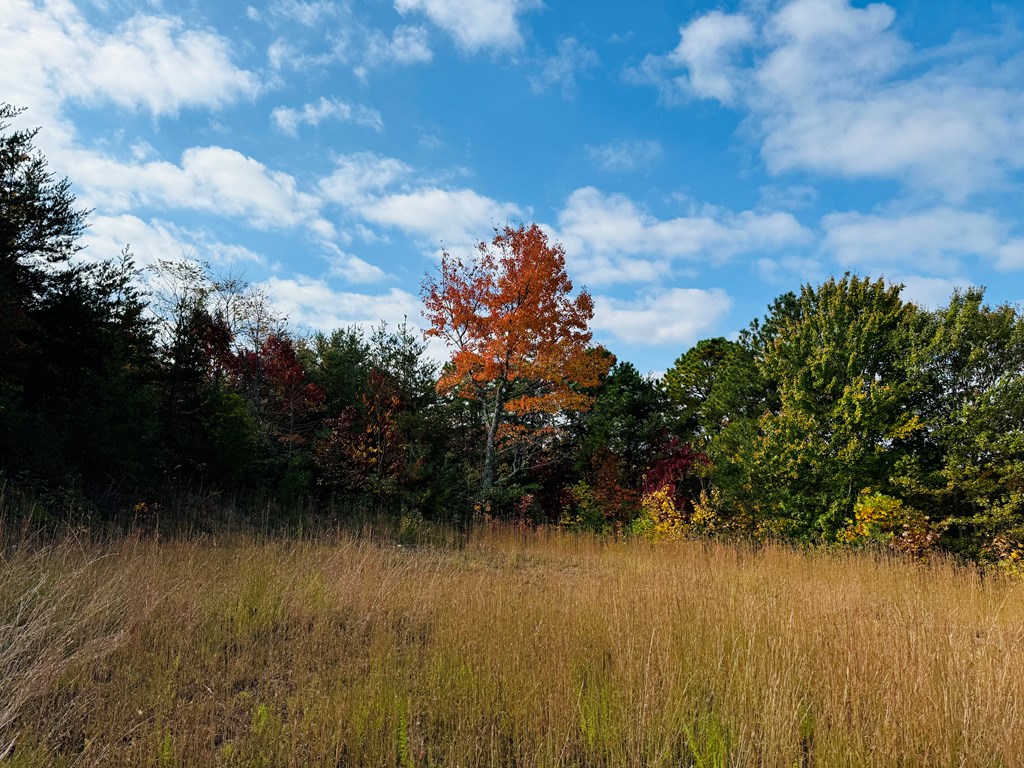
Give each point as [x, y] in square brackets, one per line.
[505, 648]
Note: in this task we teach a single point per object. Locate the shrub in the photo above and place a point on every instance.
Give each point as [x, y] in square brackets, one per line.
[660, 518]
[887, 520]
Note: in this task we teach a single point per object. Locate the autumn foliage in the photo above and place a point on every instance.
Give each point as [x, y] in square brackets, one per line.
[847, 414]
[288, 399]
[520, 340]
[365, 450]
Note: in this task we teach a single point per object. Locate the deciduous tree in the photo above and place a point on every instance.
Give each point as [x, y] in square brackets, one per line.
[520, 339]
[843, 361]
[966, 467]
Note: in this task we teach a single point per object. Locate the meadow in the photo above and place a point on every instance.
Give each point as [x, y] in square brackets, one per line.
[501, 647]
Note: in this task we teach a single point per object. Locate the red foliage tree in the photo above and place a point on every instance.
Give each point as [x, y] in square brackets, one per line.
[366, 449]
[675, 468]
[285, 400]
[520, 340]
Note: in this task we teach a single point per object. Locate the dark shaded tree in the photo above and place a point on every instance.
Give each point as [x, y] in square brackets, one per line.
[712, 385]
[76, 347]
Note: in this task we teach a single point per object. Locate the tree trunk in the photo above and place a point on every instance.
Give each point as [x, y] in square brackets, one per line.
[492, 433]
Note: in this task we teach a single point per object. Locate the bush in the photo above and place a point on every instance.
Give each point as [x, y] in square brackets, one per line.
[887, 520]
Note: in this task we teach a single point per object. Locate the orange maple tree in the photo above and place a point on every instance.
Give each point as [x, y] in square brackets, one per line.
[520, 341]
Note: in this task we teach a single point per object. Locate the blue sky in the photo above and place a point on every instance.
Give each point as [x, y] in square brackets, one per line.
[695, 160]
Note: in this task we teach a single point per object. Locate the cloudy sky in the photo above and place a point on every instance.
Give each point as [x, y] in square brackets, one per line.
[695, 159]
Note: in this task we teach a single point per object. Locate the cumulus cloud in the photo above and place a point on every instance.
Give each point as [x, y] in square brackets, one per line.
[706, 50]
[152, 240]
[212, 179]
[474, 24]
[624, 156]
[356, 270]
[284, 54]
[834, 89]
[288, 120]
[313, 303]
[678, 316]
[351, 268]
[948, 139]
[605, 234]
[790, 197]
[930, 240]
[50, 54]
[458, 218]
[561, 70]
[346, 39]
[361, 174]
[829, 48]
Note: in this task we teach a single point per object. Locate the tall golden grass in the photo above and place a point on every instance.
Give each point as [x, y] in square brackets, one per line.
[507, 648]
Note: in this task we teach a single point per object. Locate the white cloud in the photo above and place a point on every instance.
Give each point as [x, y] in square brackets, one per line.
[368, 235]
[604, 234]
[829, 47]
[931, 240]
[1010, 255]
[309, 13]
[151, 240]
[602, 269]
[790, 197]
[789, 269]
[284, 53]
[620, 156]
[928, 292]
[49, 54]
[353, 269]
[314, 113]
[952, 139]
[281, 53]
[561, 69]
[155, 63]
[458, 218]
[360, 174]
[407, 45]
[834, 89]
[678, 316]
[430, 140]
[350, 41]
[474, 24]
[143, 150]
[706, 49]
[313, 303]
[212, 179]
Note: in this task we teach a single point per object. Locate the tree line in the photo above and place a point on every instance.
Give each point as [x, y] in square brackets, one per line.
[845, 415]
